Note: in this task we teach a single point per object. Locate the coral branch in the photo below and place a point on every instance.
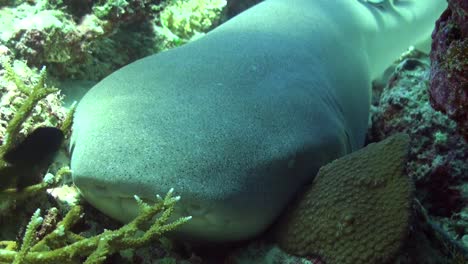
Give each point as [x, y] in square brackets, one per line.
[55, 247]
[28, 239]
[67, 123]
[37, 93]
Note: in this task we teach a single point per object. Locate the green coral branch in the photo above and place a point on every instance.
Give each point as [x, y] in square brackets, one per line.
[10, 75]
[100, 254]
[166, 206]
[55, 239]
[28, 240]
[67, 123]
[8, 245]
[10, 197]
[97, 248]
[13, 196]
[37, 93]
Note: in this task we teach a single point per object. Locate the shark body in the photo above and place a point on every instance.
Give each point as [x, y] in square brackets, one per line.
[238, 120]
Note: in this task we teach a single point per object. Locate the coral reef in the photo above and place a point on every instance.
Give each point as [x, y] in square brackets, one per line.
[124, 11]
[74, 39]
[90, 39]
[62, 245]
[72, 44]
[37, 106]
[438, 158]
[184, 20]
[357, 210]
[449, 64]
[28, 108]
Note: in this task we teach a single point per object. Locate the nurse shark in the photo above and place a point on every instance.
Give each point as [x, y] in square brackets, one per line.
[238, 120]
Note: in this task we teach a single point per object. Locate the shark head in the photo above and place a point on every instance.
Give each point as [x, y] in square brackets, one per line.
[391, 26]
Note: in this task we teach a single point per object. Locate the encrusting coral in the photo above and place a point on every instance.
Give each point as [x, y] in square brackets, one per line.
[357, 210]
[62, 245]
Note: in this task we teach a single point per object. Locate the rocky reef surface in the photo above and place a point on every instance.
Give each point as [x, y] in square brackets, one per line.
[88, 40]
[438, 157]
[449, 64]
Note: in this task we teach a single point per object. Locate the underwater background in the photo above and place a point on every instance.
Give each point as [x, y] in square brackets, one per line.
[54, 51]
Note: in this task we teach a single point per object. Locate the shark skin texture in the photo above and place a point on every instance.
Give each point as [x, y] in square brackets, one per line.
[240, 119]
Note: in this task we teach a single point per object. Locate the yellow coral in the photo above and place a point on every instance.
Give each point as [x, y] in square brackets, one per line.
[357, 210]
[188, 18]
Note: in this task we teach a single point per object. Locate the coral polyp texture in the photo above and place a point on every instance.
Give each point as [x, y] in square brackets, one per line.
[449, 57]
[357, 210]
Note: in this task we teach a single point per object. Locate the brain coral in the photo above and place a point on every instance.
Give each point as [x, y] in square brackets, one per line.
[357, 210]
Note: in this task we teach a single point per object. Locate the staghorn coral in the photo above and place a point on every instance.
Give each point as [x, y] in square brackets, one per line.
[26, 101]
[62, 245]
[26, 107]
[10, 198]
[24, 116]
[357, 210]
[28, 240]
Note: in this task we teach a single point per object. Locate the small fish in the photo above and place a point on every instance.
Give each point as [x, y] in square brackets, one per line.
[28, 160]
